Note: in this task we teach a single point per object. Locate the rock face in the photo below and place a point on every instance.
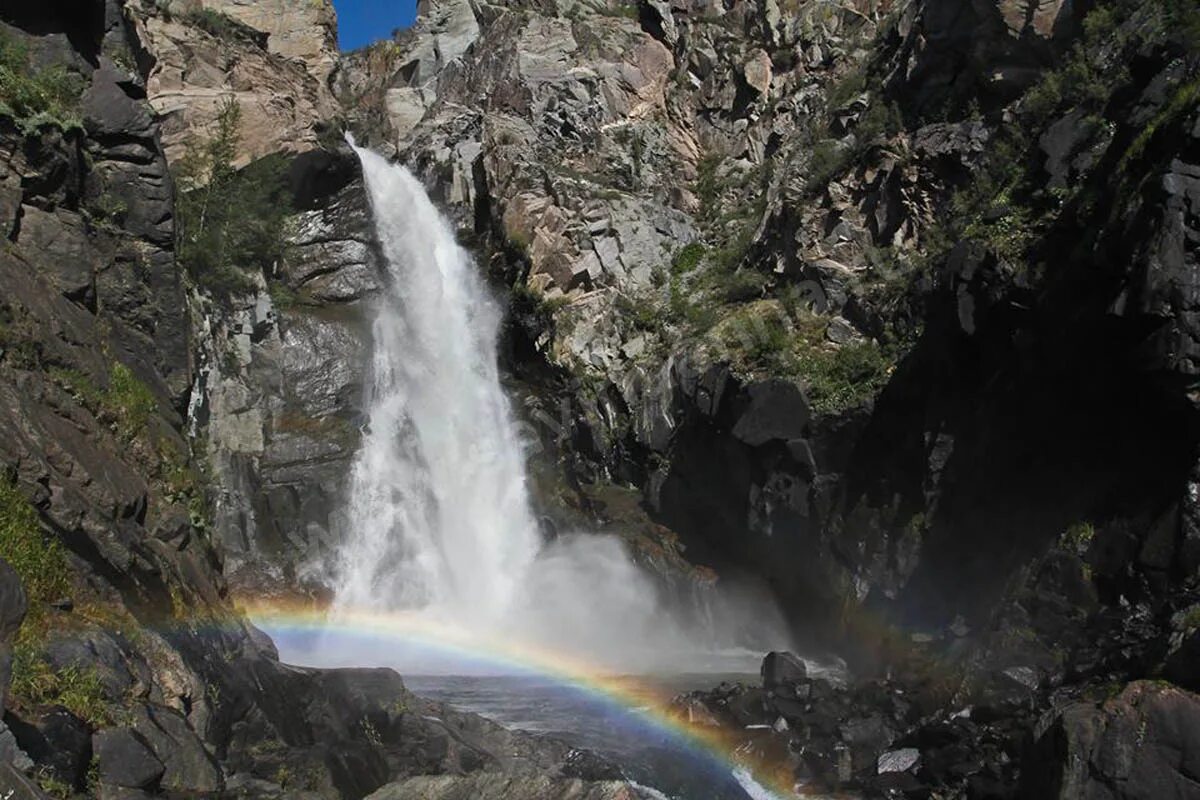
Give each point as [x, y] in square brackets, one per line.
[273, 60]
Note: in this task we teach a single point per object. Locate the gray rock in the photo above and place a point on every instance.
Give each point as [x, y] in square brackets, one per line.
[11, 752]
[125, 760]
[187, 765]
[901, 760]
[777, 410]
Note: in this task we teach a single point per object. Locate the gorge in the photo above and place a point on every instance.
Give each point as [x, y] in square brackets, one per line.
[843, 353]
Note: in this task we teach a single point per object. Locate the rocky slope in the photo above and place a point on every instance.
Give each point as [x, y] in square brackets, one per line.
[891, 304]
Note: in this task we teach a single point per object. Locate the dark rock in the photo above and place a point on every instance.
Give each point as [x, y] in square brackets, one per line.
[125, 760]
[15, 785]
[13, 605]
[187, 765]
[58, 742]
[782, 672]
[1145, 743]
[777, 410]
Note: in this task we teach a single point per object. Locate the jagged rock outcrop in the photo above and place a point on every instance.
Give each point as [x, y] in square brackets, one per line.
[198, 55]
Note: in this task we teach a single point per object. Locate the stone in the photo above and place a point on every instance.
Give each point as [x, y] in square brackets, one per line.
[125, 760]
[777, 410]
[901, 760]
[782, 671]
[1144, 743]
[187, 765]
[11, 752]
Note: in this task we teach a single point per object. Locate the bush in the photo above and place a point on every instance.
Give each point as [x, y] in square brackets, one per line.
[38, 559]
[214, 23]
[229, 221]
[843, 378]
[688, 258]
[33, 95]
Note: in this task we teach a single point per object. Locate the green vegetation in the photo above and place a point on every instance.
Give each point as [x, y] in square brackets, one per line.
[34, 96]
[80, 690]
[1078, 536]
[229, 221]
[127, 402]
[1191, 619]
[844, 377]
[688, 258]
[217, 24]
[38, 559]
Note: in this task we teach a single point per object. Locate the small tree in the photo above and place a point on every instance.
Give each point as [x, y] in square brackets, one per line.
[229, 221]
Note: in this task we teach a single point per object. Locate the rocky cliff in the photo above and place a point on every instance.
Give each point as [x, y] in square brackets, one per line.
[126, 417]
[890, 304]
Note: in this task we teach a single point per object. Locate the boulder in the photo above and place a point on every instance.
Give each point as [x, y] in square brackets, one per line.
[783, 671]
[1143, 743]
[776, 411]
[125, 760]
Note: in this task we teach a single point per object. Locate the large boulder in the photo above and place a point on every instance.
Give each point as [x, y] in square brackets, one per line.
[125, 760]
[1143, 744]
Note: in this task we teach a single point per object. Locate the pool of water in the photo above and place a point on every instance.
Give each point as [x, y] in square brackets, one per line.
[649, 753]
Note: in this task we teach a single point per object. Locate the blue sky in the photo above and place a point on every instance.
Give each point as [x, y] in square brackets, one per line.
[361, 22]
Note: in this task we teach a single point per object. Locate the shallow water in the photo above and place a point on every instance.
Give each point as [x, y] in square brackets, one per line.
[648, 754]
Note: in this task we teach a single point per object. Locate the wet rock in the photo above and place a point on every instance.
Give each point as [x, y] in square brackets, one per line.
[58, 742]
[782, 671]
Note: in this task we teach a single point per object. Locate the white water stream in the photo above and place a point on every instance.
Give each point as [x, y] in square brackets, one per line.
[440, 519]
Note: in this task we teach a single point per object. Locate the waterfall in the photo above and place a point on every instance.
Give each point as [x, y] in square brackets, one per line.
[439, 513]
[439, 517]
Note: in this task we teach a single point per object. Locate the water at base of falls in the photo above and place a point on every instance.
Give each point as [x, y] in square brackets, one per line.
[439, 519]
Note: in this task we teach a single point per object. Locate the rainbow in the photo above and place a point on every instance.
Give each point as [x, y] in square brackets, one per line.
[768, 781]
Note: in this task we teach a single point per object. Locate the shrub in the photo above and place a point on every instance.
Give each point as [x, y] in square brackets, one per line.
[688, 258]
[217, 24]
[845, 377]
[38, 559]
[33, 95]
[229, 221]
[1078, 536]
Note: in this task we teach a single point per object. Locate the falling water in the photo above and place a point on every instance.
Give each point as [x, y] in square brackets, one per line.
[439, 512]
[440, 520]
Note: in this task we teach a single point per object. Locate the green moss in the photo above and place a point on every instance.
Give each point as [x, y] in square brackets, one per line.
[131, 401]
[1183, 101]
[33, 95]
[38, 559]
